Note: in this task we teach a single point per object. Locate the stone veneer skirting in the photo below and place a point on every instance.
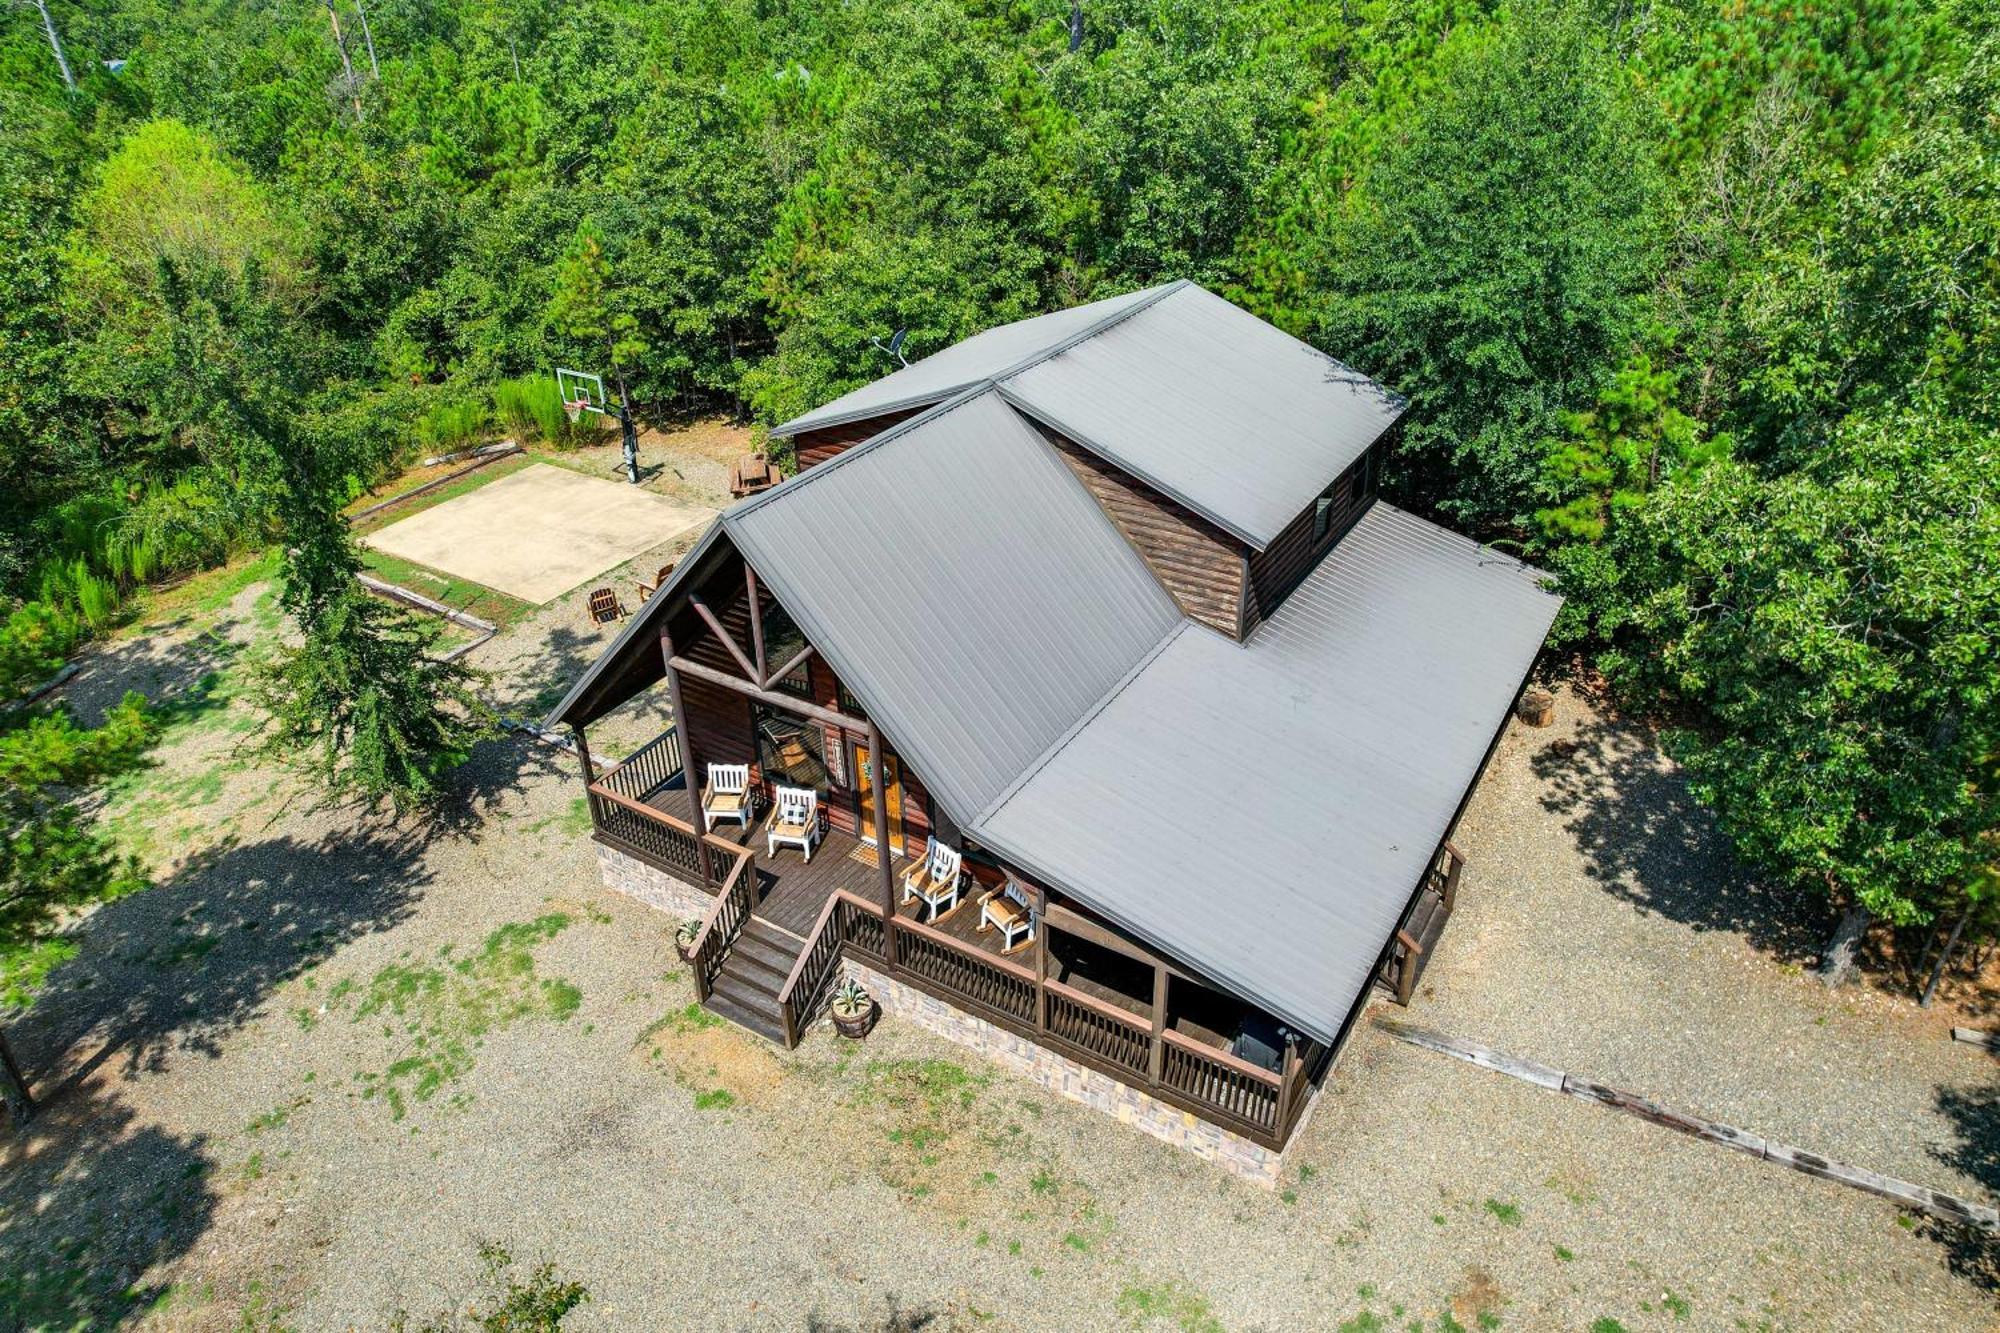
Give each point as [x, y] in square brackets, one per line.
[651, 886]
[1038, 1064]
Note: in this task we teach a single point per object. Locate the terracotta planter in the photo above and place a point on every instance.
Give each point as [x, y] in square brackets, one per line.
[859, 1024]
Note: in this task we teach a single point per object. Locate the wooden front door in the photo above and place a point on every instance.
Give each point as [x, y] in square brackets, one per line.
[892, 788]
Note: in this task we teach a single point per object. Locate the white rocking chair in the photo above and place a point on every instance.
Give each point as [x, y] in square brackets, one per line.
[795, 822]
[1006, 909]
[727, 795]
[936, 880]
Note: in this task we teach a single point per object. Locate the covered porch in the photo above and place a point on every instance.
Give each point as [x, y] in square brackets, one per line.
[1077, 986]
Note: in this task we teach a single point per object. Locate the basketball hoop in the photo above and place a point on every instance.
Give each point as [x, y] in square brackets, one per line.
[574, 409]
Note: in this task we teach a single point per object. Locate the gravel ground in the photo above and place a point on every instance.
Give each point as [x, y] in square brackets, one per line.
[298, 1082]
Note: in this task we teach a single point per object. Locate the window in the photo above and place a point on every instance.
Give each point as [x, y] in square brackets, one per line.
[1322, 516]
[791, 751]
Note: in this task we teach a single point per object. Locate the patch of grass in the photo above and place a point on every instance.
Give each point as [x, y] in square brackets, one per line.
[443, 1011]
[1172, 1303]
[1365, 1322]
[1606, 1324]
[1676, 1305]
[715, 1099]
[1508, 1213]
[252, 1169]
[1564, 1254]
[460, 594]
[1044, 1182]
[276, 1117]
[1288, 1196]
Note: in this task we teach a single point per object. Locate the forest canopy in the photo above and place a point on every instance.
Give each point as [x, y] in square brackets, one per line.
[1697, 301]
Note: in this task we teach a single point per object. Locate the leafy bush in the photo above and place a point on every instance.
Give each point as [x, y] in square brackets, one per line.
[453, 425]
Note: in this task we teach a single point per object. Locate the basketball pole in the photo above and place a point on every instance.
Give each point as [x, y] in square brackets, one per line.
[631, 432]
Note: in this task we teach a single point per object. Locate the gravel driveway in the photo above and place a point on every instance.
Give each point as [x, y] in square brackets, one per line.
[302, 1079]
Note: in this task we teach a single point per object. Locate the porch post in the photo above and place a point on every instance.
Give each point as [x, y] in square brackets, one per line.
[756, 623]
[1042, 929]
[589, 772]
[1159, 1051]
[875, 788]
[690, 762]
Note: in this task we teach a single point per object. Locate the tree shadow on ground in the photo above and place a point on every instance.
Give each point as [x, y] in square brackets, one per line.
[164, 662]
[1974, 1113]
[537, 681]
[87, 1205]
[1645, 840]
[179, 966]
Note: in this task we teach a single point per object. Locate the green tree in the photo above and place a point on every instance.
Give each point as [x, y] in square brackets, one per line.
[1835, 633]
[53, 860]
[361, 703]
[1498, 254]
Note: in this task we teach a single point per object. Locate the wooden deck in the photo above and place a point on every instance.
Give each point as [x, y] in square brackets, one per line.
[791, 890]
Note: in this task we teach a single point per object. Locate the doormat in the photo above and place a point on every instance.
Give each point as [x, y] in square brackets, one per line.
[866, 856]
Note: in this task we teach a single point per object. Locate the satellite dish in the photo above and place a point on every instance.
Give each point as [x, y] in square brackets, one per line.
[894, 347]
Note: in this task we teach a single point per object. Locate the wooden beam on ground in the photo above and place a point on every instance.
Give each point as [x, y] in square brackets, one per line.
[1936, 1203]
[749, 668]
[1977, 1038]
[782, 701]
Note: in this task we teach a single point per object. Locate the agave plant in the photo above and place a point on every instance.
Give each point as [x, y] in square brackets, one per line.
[851, 1000]
[685, 932]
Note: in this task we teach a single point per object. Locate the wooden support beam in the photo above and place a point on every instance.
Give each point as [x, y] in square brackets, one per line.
[1084, 928]
[1159, 1052]
[1041, 958]
[583, 756]
[690, 761]
[756, 624]
[789, 667]
[881, 800]
[761, 695]
[749, 668]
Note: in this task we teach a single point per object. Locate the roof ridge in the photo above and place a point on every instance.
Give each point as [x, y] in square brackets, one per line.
[799, 479]
[1095, 327]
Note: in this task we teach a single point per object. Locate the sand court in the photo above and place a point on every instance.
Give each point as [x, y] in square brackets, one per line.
[537, 533]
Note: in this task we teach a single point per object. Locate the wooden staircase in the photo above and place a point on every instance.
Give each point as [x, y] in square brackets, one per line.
[746, 989]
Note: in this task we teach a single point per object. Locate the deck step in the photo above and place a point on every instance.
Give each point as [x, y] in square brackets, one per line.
[771, 1029]
[752, 986]
[771, 953]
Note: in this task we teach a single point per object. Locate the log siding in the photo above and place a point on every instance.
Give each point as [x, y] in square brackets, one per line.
[1198, 564]
[813, 447]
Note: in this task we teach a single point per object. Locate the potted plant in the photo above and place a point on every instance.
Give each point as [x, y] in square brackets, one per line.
[684, 938]
[854, 1009]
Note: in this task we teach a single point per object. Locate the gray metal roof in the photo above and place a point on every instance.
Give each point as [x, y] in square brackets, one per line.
[1264, 810]
[967, 590]
[1240, 422]
[963, 364]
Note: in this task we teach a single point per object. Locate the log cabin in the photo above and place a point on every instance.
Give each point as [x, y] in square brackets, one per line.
[1103, 604]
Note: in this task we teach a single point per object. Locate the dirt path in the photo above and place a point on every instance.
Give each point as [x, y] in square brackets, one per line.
[300, 1080]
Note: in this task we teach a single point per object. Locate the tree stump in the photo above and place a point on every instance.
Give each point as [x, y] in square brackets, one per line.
[1537, 707]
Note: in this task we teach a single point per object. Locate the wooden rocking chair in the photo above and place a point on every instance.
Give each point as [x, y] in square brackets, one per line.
[727, 795]
[795, 822]
[604, 606]
[936, 880]
[1006, 909]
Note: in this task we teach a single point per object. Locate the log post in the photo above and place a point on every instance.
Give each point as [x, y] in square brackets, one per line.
[1157, 1058]
[881, 797]
[690, 761]
[756, 625]
[1041, 959]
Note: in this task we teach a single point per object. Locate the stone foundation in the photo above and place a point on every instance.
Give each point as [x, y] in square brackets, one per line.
[1079, 1083]
[654, 887]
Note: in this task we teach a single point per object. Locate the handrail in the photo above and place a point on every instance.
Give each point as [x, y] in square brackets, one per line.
[812, 939]
[721, 900]
[619, 798]
[1125, 1016]
[993, 960]
[1226, 1059]
[670, 733]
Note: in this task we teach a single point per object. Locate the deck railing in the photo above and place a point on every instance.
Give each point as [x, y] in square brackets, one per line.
[647, 769]
[1212, 1083]
[725, 918]
[1120, 1039]
[1221, 1081]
